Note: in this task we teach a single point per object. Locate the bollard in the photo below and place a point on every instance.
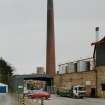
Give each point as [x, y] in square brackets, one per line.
[42, 101]
[21, 100]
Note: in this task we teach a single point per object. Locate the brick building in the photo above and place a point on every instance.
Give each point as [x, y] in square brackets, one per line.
[93, 79]
[99, 55]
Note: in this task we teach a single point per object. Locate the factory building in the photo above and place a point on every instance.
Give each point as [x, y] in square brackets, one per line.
[99, 52]
[88, 72]
[40, 70]
[99, 56]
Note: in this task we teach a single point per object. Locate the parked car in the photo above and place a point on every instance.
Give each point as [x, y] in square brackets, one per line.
[40, 94]
[77, 91]
[27, 92]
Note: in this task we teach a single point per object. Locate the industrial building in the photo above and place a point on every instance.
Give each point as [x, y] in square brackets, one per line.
[40, 70]
[88, 72]
[19, 82]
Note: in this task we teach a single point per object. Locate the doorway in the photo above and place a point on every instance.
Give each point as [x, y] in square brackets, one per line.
[93, 92]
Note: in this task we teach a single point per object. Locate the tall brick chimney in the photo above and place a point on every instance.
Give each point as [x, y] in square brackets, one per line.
[50, 56]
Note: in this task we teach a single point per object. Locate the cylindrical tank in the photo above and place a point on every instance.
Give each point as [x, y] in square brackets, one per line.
[83, 66]
[92, 65]
[66, 68]
[71, 67]
[62, 69]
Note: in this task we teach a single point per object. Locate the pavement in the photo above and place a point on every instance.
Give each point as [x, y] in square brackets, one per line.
[8, 99]
[11, 99]
[32, 102]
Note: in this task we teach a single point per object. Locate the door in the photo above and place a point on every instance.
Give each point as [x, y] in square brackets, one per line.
[93, 92]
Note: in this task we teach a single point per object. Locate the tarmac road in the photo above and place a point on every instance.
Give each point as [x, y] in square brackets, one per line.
[56, 100]
[7, 99]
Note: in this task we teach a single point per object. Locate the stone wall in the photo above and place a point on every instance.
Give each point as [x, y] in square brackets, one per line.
[100, 80]
[90, 79]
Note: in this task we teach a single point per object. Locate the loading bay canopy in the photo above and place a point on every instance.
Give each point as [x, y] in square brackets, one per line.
[42, 77]
[18, 80]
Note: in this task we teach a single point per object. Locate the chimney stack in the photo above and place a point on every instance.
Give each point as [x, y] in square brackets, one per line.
[50, 56]
[97, 34]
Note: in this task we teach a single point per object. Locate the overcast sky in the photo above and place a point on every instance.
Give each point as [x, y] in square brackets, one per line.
[23, 31]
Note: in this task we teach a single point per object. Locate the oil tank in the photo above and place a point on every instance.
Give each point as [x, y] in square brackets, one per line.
[67, 68]
[83, 66]
[62, 69]
[92, 65]
[71, 67]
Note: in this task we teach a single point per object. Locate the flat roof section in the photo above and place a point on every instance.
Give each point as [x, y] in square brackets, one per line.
[42, 77]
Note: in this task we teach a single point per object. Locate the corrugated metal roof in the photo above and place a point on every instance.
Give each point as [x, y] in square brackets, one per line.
[33, 76]
[100, 42]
